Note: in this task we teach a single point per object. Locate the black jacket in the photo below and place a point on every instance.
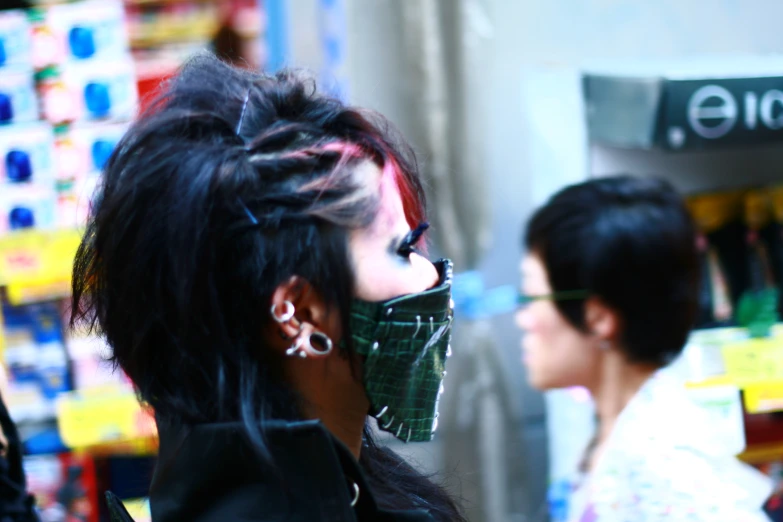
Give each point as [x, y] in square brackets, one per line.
[16, 504]
[210, 473]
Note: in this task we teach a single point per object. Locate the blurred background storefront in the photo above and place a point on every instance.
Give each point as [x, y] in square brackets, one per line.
[505, 102]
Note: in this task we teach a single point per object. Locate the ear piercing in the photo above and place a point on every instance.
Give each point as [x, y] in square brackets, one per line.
[315, 344]
[288, 312]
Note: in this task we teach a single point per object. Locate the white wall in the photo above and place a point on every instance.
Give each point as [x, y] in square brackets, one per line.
[568, 31]
[304, 40]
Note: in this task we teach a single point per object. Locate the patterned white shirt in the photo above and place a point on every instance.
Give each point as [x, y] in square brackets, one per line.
[662, 464]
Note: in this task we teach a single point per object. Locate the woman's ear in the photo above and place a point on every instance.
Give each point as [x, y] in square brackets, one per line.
[602, 320]
[296, 305]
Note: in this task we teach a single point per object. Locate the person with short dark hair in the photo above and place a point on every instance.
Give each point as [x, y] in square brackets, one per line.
[255, 261]
[610, 294]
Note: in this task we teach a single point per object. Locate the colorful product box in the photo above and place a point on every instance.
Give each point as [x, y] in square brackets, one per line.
[90, 92]
[90, 30]
[15, 39]
[84, 149]
[91, 366]
[74, 202]
[47, 48]
[36, 360]
[52, 363]
[73, 32]
[64, 486]
[20, 348]
[27, 154]
[18, 100]
[27, 206]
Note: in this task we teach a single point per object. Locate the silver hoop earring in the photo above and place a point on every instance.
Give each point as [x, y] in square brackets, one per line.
[288, 314]
[318, 344]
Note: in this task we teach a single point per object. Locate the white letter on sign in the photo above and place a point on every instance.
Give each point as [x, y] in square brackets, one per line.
[767, 110]
[751, 110]
[726, 111]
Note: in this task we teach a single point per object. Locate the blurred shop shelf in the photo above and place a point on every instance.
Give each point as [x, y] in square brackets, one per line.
[154, 3]
[759, 454]
[98, 419]
[36, 265]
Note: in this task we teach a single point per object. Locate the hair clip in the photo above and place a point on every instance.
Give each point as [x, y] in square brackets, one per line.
[242, 114]
[250, 215]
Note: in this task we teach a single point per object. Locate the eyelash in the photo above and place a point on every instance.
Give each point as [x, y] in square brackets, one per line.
[408, 245]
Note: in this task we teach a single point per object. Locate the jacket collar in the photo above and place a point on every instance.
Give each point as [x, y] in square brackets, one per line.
[211, 472]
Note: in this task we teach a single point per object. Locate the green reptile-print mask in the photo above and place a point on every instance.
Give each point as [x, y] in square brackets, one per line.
[406, 343]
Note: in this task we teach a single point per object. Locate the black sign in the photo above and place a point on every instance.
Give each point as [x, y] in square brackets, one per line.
[709, 114]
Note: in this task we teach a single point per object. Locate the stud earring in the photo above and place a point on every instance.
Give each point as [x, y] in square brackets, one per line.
[296, 349]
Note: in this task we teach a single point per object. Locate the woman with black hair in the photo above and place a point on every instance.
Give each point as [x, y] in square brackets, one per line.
[610, 286]
[253, 260]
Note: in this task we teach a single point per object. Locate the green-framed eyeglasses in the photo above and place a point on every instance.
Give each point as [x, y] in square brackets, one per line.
[567, 295]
